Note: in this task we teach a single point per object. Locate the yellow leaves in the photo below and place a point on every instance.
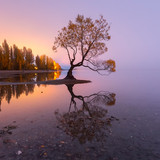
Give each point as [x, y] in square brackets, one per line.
[85, 37]
[79, 18]
[88, 20]
[71, 26]
[111, 63]
[42, 146]
[83, 29]
[109, 37]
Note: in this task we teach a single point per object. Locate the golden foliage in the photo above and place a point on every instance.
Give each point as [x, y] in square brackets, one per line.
[84, 37]
[112, 65]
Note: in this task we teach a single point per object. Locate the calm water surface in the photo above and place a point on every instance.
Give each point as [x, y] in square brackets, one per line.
[116, 117]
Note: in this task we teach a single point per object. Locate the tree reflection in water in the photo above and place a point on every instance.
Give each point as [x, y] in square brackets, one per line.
[9, 91]
[29, 77]
[89, 122]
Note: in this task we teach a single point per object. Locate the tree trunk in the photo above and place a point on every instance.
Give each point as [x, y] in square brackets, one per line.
[69, 73]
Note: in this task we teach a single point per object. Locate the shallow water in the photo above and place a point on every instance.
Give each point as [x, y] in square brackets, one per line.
[114, 117]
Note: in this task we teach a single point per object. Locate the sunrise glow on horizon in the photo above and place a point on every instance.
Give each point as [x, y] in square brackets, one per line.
[134, 28]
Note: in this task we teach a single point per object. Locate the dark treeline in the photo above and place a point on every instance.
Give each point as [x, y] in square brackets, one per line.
[13, 58]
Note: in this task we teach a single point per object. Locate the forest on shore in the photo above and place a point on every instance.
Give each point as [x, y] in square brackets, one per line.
[14, 58]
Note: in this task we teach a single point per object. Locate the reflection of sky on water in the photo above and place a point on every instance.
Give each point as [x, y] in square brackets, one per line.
[136, 106]
[133, 91]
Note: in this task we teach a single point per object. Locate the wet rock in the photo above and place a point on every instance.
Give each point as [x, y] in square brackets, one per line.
[19, 152]
[11, 141]
[10, 127]
[87, 149]
[5, 141]
[62, 142]
[68, 154]
[1, 132]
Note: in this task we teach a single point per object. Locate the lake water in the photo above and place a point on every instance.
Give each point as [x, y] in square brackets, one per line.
[115, 117]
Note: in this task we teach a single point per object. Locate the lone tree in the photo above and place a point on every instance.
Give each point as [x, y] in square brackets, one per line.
[84, 41]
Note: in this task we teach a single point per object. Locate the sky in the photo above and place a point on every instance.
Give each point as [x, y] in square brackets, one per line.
[135, 27]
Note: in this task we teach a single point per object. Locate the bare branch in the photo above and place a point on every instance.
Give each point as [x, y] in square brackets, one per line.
[96, 70]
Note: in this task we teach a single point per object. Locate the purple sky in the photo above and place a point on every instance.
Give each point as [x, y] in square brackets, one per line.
[135, 27]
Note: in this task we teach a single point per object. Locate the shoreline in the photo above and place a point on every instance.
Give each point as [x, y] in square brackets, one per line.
[50, 82]
[26, 71]
[6, 73]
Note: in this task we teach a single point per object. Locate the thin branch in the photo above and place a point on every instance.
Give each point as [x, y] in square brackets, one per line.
[90, 62]
[96, 70]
